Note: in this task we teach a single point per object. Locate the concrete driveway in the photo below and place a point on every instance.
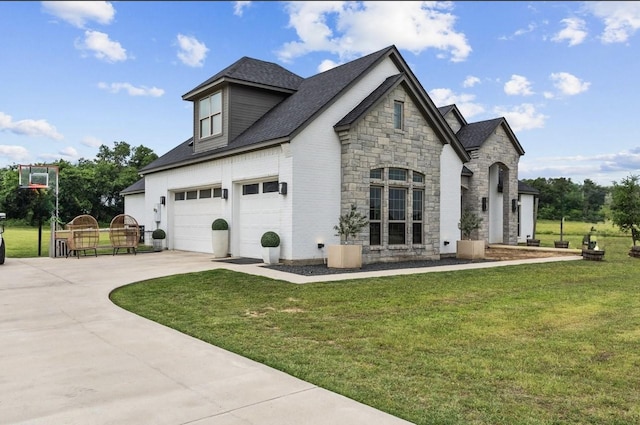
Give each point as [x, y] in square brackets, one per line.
[70, 356]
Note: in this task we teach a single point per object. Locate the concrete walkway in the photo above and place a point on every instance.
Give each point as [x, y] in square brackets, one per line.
[70, 356]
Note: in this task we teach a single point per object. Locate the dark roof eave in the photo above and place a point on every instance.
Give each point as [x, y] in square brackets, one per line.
[194, 94]
[217, 155]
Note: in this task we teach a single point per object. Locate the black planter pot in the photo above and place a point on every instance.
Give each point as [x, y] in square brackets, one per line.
[533, 242]
[592, 254]
[561, 244]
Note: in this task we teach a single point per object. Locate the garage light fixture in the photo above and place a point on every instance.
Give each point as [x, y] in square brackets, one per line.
[283, 188]
[225, 193]
[163, 200]
[514, 205]
[484, 204]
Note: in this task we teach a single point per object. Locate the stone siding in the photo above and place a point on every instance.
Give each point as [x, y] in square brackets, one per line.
[497, 149]
[374, 143]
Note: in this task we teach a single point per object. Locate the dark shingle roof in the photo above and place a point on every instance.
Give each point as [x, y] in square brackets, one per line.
[444, 110]
[313, 95]
[525, 188]
[255, 71]
[473, 135]
[137, 187]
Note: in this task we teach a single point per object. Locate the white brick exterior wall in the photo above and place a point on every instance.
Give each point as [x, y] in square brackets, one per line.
[450, 206]
[316, 170]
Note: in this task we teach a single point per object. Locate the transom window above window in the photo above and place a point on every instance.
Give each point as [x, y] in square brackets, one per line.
[398, 115]
[250, 189]
[268, 187]
[398, 174]
[210, 114]
[376, 173]
[418, 178]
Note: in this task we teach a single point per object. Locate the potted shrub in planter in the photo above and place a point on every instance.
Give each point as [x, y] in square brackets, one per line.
[467, 248]
[220, 237]
[345, 256]
[270, 242]
[158, 236]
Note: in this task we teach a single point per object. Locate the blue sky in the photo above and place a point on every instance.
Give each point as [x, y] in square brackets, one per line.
[76, 75]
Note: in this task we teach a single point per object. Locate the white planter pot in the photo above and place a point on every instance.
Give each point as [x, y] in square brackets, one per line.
[470, 250]
[220, 243]
[271, 255]
[344, 256]
[158, 245]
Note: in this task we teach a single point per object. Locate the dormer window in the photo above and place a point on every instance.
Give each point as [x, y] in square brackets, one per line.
[211, 115]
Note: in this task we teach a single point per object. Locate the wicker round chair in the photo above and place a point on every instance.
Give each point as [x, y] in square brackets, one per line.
[84, 234]
[124, 232]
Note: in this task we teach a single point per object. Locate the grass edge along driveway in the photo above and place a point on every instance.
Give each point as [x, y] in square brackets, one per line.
[552, 343]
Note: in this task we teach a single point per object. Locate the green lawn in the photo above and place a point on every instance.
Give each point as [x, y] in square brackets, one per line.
[22, 242]
[549, 343]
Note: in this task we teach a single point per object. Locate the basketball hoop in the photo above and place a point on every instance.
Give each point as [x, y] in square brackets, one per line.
[35, 186]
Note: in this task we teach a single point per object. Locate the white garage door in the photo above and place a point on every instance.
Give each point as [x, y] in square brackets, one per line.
[258, 211]
[193, 213]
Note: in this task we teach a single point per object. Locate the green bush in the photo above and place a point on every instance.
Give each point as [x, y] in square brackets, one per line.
[158, 234]
[219, 224]
[270, 239]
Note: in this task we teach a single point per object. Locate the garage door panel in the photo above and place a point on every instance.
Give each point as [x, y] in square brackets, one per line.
[257, 214]
[192, 223]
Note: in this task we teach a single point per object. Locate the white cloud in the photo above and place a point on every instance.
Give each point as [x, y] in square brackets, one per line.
[239, 6]
[102, 47]
[601, 168]
[14, 153]
[522, 31]
[621, 19]
[29, 127]
[92, 142]
[464, 102]
[131, 89]
[518, 85]
[574, 31]
[78, 13]
[568, 84]
[192, 52]
[522, 117]
[69, 152]
[470, 81]
[327, 64]
[363, 27]
[530, 28]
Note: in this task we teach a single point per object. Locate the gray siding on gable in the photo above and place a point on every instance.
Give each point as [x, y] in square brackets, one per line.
[247, 105]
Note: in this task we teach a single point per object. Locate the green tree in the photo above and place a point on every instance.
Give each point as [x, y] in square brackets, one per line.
[625, 203]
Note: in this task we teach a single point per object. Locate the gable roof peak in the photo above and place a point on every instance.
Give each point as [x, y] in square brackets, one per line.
[254, 72]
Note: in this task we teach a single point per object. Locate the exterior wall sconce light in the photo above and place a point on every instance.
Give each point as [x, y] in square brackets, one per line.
[484, 203]
[225, 193]
[283, 188]
[514, 205]
[163, 200]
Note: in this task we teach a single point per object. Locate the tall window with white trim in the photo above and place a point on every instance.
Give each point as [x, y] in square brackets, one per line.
[210, 113]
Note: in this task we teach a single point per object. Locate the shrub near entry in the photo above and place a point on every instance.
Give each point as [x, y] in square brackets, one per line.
[270, 240]
[220, 224]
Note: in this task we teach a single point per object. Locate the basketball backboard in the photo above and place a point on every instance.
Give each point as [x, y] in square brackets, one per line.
[38, 177]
